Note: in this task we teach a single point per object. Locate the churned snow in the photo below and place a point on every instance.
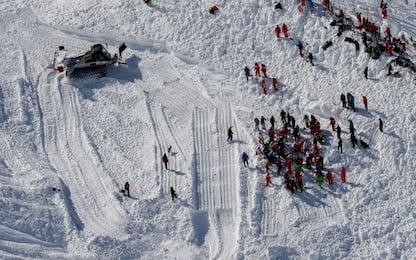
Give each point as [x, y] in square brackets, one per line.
[183, 86]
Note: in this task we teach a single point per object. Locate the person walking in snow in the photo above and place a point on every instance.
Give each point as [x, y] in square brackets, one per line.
[307, 121]
[275, 84]
[165, 160]
[127, 188]
[277, 31]
[343, 100]
[340, 145]
[319, 178]
[272, 120]
[285, 30]
[329, 178]
[300, 47]
[365, 102]
[173, 193]
[257, 69]
[380, 125]
[332, 122]
[310, 58]
[247, 72]
[244, 157]
[230, 134]
[268, 180]
[283, 116]
[366, 72]
[339, 132]
[256, 123]
[343, 174]
[263, 122]
[264, 70]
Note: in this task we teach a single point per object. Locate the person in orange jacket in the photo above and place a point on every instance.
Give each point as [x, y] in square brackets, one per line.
[343, 174]
[277, 31]
[165, 160]
[257, 69]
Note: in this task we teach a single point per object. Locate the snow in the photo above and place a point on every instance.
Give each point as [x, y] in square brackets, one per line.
[183, 86]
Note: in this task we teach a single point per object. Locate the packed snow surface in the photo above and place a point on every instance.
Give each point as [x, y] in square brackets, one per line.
[68, 146]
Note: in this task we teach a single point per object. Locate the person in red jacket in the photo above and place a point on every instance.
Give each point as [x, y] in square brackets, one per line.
[268, 179]
[264, 70]
[257, 69]
[365, 102]
[343, 175]
[329, 178]
[165, 160]
[277, 31]
[285, 30]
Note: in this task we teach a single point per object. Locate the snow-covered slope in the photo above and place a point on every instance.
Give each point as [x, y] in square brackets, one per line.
[183, 86]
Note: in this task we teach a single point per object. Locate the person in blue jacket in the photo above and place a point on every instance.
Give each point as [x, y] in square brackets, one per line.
[244, 157]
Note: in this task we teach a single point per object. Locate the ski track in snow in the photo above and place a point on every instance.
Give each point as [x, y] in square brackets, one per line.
[217, 185]
[73, 159]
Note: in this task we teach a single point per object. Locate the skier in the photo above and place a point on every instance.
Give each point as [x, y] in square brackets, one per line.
[256, 123]
[310, 58]
[173, 193]
[127, 188]
[366, 72]
[247, 72]
[365, 102]
[257, 69]
[244, 157]
[343, 174]
[230, 134]
[343, 100]
[329, 178]
[277, 31]
[300, 47]
[284, 29]
[380, 124]
[264, 70]
[165, 160]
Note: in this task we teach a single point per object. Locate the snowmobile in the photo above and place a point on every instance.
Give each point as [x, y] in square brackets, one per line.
[93, 62]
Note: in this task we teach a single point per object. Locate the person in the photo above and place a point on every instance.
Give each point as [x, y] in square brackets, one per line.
[332, 122]
[268, 180]
[263, 122]
[173, 193]
[264, 70]
[352, 129]
[127, 188]
[306, 119]
[353, 140]
[169, 149]
[380, 124]
[285, 31]
[343, 174]
[213, 10]
[165, 160]
[329, 178]
[264, 87]
[291, 184]
[319, 178]
[339, 132]
[277, 31]
[283, 116]
[390, 69]
[257, 69]
[272, 120]
[256, 123]
[244, 157]
[343, 100]
[300, 47]
[340, 145]
[230, 134]
[365, 102]
[247, 72]
[310, 58]
[366, 72]
[275, 84]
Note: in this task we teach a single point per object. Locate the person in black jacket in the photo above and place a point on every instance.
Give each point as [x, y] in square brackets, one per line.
[173, 193]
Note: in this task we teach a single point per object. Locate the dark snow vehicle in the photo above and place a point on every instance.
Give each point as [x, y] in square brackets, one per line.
[93, 62]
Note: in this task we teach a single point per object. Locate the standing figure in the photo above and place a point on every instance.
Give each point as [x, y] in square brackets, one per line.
[365, 102]
[127, 188]
[230, 134]
[264, 87]
[277, 31]
[340, 145]
[173, 193]
[343, 174]
[343, 100]
[268, 180]
[285, 31]
[332, 122]
[310, 58]
[244, 157]
[339, 132]
[247, 72]
[366, 72]
[329, 178]
[165, 160]
[263, 122]
[300, 47]
[256, 123]
[264, 70]
[380, 124]
[274, 84]
[272, 120]
[257, 69]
